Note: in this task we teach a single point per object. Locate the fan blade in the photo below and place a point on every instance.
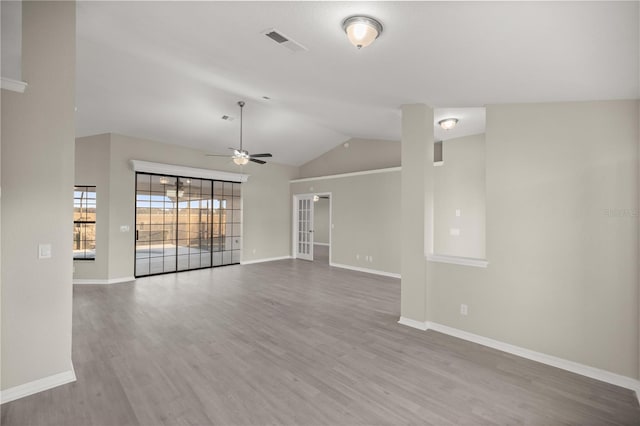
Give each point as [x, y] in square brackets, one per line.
[217, 155]
[260, 155]
[257, 161]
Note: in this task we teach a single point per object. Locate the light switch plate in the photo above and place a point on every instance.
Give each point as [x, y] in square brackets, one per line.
[44, 251]
[458, 213]
[124, 228]
[454, 231]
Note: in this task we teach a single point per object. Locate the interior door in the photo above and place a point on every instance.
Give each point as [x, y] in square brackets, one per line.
[304, 227]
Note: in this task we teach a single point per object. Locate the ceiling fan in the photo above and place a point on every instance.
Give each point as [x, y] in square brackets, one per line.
[241, 156]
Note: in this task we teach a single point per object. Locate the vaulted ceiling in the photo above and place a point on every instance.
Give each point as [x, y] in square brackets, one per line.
[170, 70]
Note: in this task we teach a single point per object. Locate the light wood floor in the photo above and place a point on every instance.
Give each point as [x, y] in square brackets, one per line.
[293, 342]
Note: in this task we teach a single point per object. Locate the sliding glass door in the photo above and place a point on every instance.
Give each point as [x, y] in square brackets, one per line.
[185, 223]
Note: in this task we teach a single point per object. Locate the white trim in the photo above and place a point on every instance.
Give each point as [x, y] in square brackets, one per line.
[420, 325]
[344, 175]
[565, 364]
[458, 260]
[49, 382]
[367, 270]
[267, 259]
[81, 281]
[13, 85]
[172, 169]
[321, 244]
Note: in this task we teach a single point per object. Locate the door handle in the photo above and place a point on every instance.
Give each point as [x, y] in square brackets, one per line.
[136, 235]
[310, 230]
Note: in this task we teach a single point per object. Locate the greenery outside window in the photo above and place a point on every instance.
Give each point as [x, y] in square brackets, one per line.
[84, 222]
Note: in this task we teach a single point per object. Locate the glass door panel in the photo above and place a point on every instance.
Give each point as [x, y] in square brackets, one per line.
[304, 227]
[185, 223]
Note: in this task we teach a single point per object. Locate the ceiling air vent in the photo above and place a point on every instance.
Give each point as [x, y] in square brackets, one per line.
[284, 41]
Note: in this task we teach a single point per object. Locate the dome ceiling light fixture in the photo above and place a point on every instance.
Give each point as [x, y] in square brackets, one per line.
[361, 30]
[448, 123]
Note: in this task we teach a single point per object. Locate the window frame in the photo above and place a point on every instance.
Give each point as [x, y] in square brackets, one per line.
[83, 222]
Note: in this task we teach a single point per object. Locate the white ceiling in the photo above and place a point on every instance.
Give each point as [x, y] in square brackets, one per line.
[169, 70]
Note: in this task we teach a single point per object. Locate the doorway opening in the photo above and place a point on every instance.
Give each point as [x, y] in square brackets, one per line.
[185, 223]
[312, 227]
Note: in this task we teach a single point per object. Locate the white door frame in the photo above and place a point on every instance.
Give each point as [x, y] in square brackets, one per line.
[294, 220]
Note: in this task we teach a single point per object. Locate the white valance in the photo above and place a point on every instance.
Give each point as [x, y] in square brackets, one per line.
[174, 170]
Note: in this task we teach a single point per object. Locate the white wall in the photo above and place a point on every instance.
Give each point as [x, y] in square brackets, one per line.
[37, 189]
[359, 155]
[366, 218]
[416, 215]
[459, 186]
[321, 221]
[562, 236]
[266, 203]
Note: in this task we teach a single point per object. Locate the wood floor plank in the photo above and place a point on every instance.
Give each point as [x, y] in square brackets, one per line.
[294, 342]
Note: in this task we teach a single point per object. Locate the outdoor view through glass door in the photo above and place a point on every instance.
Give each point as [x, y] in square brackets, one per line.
[185, 223]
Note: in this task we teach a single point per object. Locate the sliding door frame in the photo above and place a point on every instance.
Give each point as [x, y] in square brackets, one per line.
[210, 224]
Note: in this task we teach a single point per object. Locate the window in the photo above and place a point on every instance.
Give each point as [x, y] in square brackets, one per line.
[84, 223]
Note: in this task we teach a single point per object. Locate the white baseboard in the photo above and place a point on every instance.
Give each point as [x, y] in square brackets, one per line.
[321, 244]
[268, 259]
[49, 382]
[367, 270]
[420, 325]
[81, 281]
[565, 364]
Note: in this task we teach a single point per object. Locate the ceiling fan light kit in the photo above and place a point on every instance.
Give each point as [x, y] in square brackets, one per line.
[240, 160]
[361, 30]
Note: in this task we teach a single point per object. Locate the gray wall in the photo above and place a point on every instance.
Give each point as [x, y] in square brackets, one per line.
[37, 189]
[266, 198]
[321, 221]
[92, 168]
[365, 217]
[11, 39]
[459, 184]
[360, 155]
[562, 236]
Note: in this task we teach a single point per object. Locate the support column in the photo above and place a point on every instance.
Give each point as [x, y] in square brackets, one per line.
[417, 212]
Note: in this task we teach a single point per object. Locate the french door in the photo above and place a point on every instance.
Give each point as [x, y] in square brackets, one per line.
[185, 223]
[304, 227]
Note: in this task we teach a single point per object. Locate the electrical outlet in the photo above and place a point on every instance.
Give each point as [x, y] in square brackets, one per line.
[464, 310]
[253, 251]
[458, 213]
[357, 257]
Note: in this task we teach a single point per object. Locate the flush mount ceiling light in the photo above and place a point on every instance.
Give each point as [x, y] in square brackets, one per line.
[448, 123]
[361, 30]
